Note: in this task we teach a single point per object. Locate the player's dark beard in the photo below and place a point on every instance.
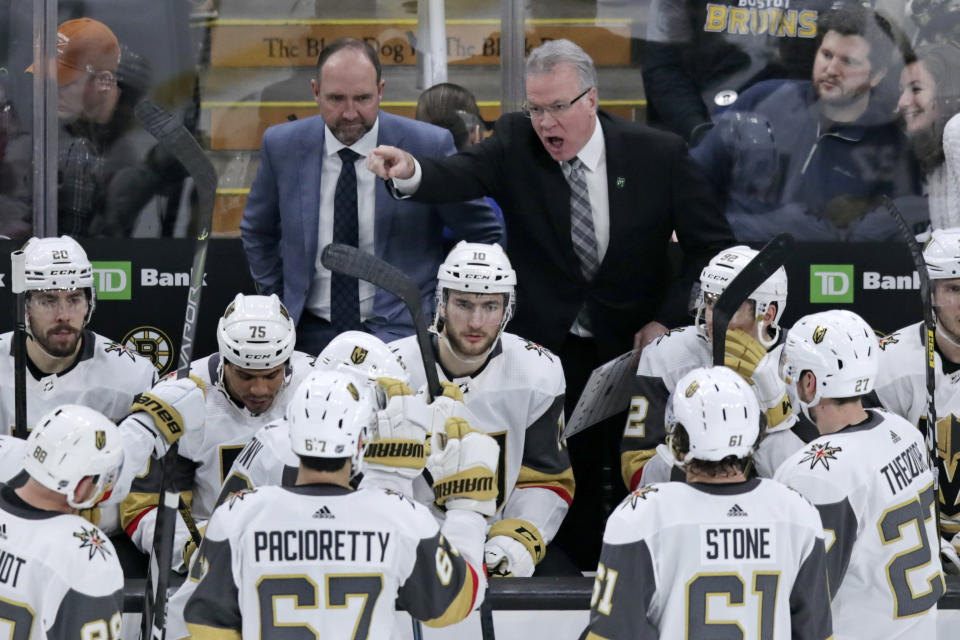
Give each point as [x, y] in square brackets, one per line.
[54, 349]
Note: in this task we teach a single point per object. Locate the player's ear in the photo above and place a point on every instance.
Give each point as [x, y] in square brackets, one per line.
[84, 490]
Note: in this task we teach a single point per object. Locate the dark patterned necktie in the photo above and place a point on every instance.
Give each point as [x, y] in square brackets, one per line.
[581, 220]
[344, 291]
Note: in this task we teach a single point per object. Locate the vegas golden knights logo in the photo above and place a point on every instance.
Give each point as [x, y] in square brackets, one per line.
[358, 356]
[692, 389]
[818, 334]
[353, 391]
[100, 439]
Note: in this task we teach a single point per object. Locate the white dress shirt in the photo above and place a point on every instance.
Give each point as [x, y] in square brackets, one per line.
[318, 299]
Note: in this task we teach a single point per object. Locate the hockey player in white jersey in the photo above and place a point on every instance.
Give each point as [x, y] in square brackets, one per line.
[267, 460]
[869, 477]
[66, 361]
[515, 388]
[902, 386]
[250, 381]
[344, 557]
[721, 555]
[61, 578]
[753, 330]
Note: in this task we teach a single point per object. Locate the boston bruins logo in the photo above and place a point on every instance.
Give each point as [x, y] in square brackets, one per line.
[818, 334]
[152, 343]
[358, 356]
[100, 439]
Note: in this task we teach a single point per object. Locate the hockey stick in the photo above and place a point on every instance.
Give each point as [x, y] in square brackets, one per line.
[350, 261]
[177, 141]
[770, 258]
[929, 331]
[19, 345]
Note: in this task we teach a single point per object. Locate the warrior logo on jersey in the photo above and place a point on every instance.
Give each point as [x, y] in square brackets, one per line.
[888, 340]
[818, 334]
[640, 493]
[151, 343]
[93, 540]
[530, 345]
[358, 356]
[239, 496]
[100, 439]
[120, 350]
[822, 453]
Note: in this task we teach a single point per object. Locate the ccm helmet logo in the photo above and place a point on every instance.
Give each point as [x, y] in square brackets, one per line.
[64, 272]
[258, 356]
[475, 276]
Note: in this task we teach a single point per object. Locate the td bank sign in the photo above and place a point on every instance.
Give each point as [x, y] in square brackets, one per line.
[112, 280]
[831, 283]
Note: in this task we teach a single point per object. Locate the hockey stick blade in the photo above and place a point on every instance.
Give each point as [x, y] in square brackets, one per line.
[174, 137]
[770, 258]
[352, 262]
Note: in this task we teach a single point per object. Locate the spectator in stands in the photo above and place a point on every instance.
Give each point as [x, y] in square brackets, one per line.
[15, 170]
[699, 56]
[311, 186]
[815, 157]
[929, 102]
[455, 109]
[590, 202]
[99, 84]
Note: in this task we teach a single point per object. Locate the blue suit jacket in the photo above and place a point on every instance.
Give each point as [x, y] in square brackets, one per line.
[280, 221]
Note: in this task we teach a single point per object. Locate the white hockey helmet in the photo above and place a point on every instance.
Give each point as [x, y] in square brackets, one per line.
[718, 411]
[58, 263]
[841, 350]
[364, 355]
[256, 332]
[721, 271]
[330, 415]
[942, 254]
[70, 443]
[477, 268]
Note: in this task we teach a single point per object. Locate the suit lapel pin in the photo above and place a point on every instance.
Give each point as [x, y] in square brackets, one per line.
[620, 182]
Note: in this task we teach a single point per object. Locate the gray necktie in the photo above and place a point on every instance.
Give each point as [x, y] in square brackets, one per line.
[581, 219]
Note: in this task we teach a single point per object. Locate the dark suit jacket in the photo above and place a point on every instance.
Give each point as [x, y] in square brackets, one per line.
[653, 190]
[281, 218]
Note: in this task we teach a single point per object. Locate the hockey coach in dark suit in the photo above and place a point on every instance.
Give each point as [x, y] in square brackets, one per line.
[590, 202]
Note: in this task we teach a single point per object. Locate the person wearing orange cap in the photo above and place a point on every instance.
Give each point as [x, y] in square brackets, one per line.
[88, 54]
[99, 81]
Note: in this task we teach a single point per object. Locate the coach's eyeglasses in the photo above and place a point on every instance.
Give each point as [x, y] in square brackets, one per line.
[534, 112]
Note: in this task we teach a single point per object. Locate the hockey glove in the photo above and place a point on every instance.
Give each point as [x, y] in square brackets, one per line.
[746, 356]
[172, 406]
[398, 444]
[514, 547]
[463, 464]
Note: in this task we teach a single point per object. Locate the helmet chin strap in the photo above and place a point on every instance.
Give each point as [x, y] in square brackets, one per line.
[762, 336]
